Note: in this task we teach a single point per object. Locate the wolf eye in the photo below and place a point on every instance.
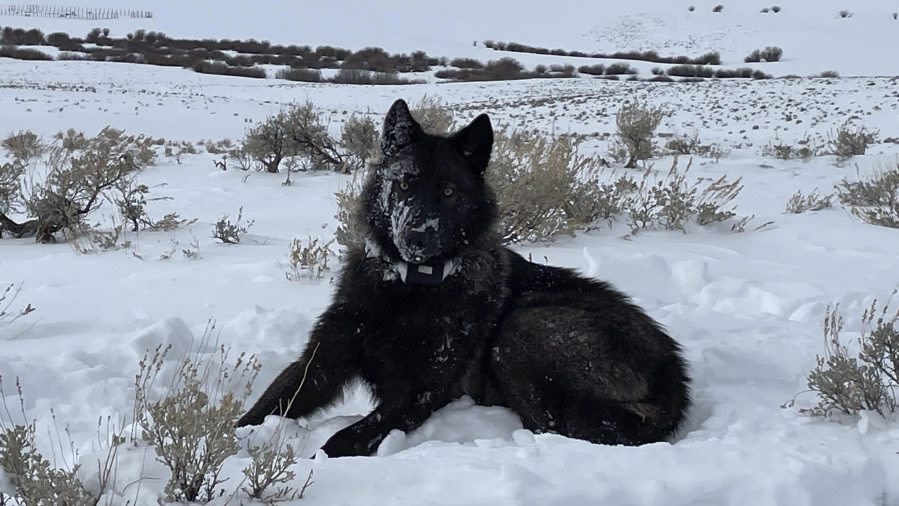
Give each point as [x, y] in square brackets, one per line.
[404, 185]
[448, 191]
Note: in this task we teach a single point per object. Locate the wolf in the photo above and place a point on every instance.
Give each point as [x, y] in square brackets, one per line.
[434, 307]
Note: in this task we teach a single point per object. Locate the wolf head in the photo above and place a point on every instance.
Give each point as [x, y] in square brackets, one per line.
[426, 199]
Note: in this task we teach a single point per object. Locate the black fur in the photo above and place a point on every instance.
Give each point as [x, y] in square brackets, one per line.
[567, 354]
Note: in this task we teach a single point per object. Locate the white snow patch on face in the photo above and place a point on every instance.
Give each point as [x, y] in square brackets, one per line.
[400, 218]
[430, 223]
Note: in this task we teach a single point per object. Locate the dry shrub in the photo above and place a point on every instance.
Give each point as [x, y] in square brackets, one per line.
[540, 185]
[769, 54]
[308, 131]
[351, 227]
[81, 173]
[687, 144]
[636, 123]
[361, 76]
[301, 75]
[359, 139]
[35, 480]
[874, 199]
[783, 151]
[190, 425]
[268, 477]
[309, 260]
[670, 202]
[433, 115]
[132, 198]
[23, 145]
[800, 203]
[10, 183]
[269, 142]
[850, 141]
[867, 380]
[298, 131]
[229, 233]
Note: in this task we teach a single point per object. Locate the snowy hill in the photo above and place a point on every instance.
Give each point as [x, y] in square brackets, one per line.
[747, 307]
[811, 32]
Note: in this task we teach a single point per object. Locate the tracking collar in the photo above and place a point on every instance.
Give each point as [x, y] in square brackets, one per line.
[431, 273]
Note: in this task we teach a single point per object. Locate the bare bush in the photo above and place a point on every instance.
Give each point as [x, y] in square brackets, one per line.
[359, 139]
[594, 70]
[434, 116]
[539, 187]
[845, 14]
[269, 142]
[190, 426]
[873, 199]
[850, 141]
[10, 183]
[636, 123]
[78, 180]
[35, 479]
[228, 232]
[769, 54]
[132, 198]
[620, 68]
[800, 203]
[670, 202]
[301, 75]
[828, 74]
[298, 131]
[309, 259]
[686, 144]
[351, 227]
[848, 383]
[718, 8]
[361, 76]
[783, 151]
[310, 139]
[269, 475]
[466, 63]
[23, 145]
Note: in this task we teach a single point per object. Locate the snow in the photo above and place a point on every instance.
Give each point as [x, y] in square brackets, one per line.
[748, 308]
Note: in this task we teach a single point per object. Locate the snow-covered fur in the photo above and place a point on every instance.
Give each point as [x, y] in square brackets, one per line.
[568, 354]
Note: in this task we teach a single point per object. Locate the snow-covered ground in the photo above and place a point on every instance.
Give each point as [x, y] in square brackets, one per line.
[748, 308]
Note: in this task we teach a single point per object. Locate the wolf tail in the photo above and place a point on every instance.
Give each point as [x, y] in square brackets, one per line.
[672, 393]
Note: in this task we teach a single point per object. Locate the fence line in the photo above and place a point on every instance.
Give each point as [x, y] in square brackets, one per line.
[71, 12]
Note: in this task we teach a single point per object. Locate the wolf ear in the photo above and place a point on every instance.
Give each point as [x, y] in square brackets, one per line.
[400, 129]
[475, 142]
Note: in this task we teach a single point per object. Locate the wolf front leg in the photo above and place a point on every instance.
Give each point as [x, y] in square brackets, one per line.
[401, 411]
[318, 377]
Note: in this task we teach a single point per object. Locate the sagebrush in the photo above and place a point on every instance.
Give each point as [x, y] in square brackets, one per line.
[636, 123]
[23, 145]
[813, 201]
[875, 198]
[78, 174]
[190, 424]
[230, 232]
[851, 381]
[37, 481]
[309, 259]
[851, 141]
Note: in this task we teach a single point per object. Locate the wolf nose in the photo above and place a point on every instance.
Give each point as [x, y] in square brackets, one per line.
[419, 239]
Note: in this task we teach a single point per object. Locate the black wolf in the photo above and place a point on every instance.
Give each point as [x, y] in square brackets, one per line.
[434, 307]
